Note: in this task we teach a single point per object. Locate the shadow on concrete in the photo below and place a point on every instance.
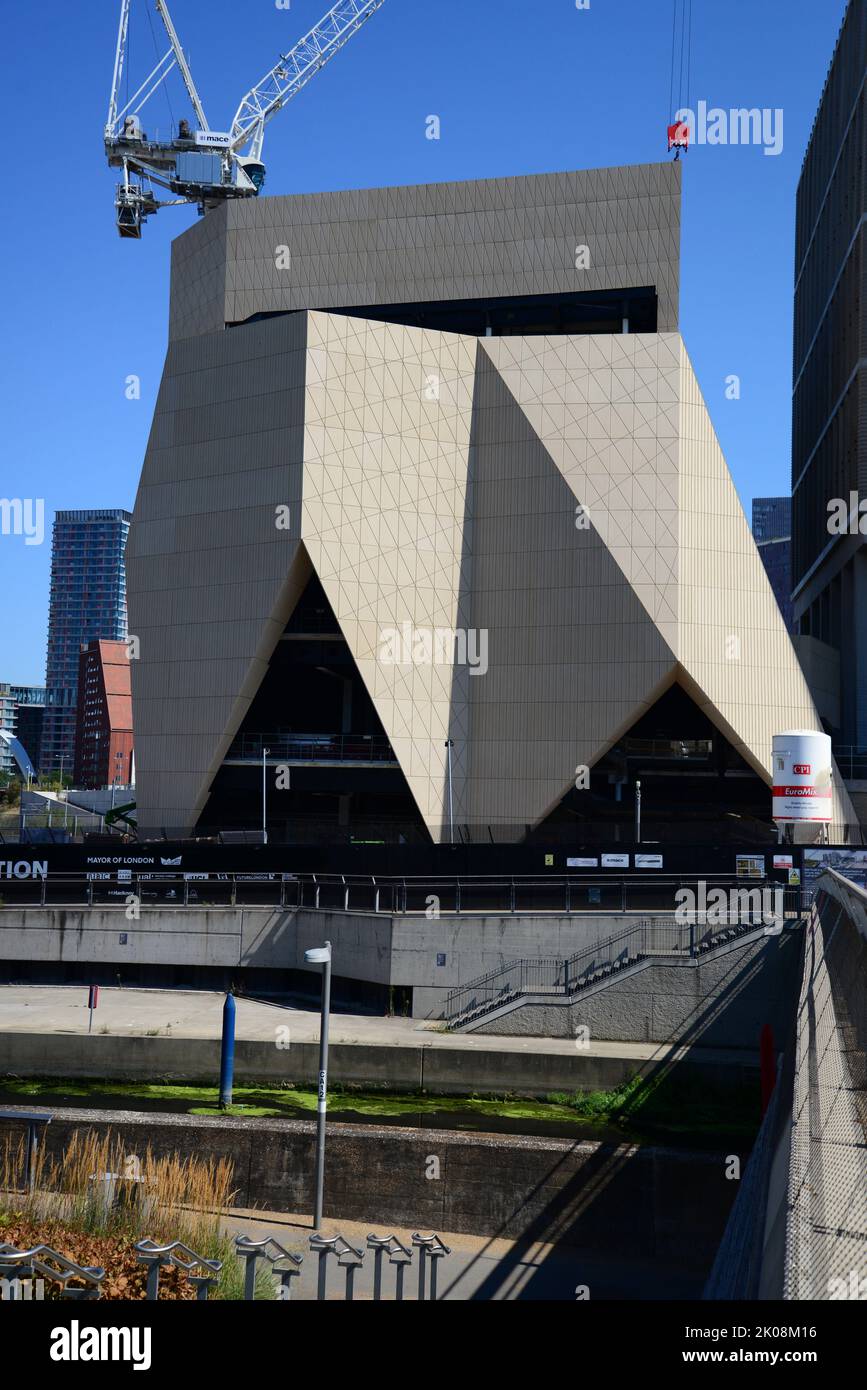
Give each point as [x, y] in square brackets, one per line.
[640, 1222]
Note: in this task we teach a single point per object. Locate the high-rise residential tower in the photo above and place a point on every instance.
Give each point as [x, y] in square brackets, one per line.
[88, 602]
[829, 427]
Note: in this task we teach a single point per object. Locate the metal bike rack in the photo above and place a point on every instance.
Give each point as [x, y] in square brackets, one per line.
[430, 1248]
[283, 1262]
[180, 1255]
[398, 1255]
[50, 1264]
[348, 1258]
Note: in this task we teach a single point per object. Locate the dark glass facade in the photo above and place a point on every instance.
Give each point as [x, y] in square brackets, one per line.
[829, 424]
[88, 602]
[776, 556]
[772, 532]
[772, 518]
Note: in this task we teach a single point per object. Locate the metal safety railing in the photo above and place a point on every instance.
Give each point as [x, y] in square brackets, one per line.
[667, 748]
[306, 748]
[851, 760]
[429, 896]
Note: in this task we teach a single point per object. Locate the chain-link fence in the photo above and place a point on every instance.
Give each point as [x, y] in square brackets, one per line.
[826, 1232]
[798, 1228]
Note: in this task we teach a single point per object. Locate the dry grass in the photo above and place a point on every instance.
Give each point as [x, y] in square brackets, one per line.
[164, 1198]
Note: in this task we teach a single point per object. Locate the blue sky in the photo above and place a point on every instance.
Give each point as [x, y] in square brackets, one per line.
[519, 88]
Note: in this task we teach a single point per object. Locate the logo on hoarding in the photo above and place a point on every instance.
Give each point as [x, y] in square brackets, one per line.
[171, 862]
[20, 868]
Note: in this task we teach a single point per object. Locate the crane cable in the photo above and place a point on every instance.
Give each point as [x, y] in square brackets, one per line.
[681, 58]
[688, 91]
[670, 111]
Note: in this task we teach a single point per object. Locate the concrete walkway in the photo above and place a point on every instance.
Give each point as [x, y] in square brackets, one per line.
[198, 1014]
[478, 1267]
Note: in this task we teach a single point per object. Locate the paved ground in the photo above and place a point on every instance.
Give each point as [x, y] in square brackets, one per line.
[198, 1014]
[477, 1267]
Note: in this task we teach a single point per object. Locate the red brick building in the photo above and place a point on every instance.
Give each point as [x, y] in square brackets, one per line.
[103, 739]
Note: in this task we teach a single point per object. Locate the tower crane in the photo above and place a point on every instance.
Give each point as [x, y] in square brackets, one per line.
[200, 165]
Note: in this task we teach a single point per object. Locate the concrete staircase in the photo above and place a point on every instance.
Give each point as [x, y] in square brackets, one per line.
[645, 942]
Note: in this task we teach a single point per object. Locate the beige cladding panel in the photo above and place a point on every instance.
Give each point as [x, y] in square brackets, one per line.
[573, 655]
[733, 645]
[208, 566]
[439, 489]
[387, 433]
[435, 481]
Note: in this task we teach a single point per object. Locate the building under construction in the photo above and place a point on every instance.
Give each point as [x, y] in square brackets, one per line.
[434, 538]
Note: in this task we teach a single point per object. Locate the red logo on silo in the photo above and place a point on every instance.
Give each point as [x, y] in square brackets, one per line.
[801, 769]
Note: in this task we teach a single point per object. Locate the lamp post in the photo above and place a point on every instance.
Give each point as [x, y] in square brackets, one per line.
[321, 955]
[449, 746]
[265, 752]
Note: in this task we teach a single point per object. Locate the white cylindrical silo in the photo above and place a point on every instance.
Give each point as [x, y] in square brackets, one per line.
[802, 776]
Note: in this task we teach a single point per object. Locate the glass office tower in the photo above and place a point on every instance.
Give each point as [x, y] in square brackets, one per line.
[829, 433]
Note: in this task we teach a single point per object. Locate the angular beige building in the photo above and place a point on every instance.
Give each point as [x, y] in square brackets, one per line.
[434, 537]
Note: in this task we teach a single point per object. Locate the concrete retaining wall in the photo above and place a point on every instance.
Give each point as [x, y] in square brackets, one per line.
[623, 1201]
[440, 1070]
[400, 951]
[726, 1003]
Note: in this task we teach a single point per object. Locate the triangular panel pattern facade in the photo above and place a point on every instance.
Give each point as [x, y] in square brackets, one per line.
[386, 440]
[562, 500]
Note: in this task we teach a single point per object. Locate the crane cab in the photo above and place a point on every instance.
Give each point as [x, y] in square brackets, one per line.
[253, 170]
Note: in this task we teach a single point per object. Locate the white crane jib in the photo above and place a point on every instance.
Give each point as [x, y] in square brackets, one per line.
[295, 69]
[204, 166]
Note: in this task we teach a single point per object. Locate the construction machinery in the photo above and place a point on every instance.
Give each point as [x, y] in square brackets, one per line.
[198, 164]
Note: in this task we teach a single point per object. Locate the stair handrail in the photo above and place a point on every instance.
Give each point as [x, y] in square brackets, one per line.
[685, 939]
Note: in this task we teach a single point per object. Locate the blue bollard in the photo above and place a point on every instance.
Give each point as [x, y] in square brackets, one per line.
[227, 1053]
